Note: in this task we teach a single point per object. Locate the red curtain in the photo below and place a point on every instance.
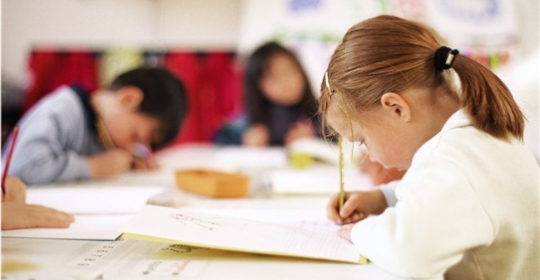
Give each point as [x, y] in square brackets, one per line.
[213, 82]
[50, 69]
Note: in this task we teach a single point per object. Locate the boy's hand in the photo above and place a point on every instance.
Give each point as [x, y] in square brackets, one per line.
[257, 136]
[17, 214]
[357, 206]
[143, 158]
[110, 163]
[144, 164]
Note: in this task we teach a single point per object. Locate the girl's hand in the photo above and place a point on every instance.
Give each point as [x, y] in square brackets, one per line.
[301, 129]
[357, 206]
[257, 135]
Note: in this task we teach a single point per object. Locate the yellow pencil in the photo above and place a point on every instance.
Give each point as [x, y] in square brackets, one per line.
[104, 135]
[341, 183]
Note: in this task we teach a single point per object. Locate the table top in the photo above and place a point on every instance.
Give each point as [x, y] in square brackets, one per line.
[32, 258]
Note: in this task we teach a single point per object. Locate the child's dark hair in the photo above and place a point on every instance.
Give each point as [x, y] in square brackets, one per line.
[256, 103]
[390, 54]
[165, 99]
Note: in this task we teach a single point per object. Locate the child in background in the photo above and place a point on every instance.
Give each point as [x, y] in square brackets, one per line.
[279, 102]
[72, 135]
[468, 206]
[17, 214]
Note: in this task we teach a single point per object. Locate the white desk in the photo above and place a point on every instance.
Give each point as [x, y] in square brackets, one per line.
[78, 259]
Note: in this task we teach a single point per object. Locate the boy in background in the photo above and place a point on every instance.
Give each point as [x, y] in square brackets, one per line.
[73, 135]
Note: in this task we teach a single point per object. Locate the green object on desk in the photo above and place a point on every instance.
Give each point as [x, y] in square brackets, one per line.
[301, 160]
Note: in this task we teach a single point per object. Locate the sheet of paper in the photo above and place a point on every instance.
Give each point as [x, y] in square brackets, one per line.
[25, 259]
[62, 259]
[299, 218]
[176, 261]
[228, 233]
[317, 180]
[93, 199]
[85, 227]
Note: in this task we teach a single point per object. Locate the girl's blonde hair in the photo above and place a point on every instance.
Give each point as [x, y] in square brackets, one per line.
[390, 54]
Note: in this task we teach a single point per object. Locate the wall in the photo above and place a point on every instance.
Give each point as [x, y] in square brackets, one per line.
[204, 24]
[105, 23]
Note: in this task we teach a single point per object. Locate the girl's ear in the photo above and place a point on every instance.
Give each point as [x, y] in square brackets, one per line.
[129, 97]
[396, 106]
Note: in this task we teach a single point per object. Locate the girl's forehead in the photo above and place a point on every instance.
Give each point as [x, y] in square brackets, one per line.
[280, 59]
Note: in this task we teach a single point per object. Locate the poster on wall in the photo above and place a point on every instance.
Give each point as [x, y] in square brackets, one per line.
[485, 30]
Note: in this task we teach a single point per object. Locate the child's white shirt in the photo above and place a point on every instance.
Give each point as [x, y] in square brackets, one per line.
[467, 208]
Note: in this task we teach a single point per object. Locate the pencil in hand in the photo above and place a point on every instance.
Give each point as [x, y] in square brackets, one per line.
[341, 182]
[141, 151]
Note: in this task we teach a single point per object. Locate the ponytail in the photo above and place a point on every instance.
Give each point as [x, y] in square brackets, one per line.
[387, 53]
[487, 100]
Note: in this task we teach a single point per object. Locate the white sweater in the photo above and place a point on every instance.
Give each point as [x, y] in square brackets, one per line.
[468, 208]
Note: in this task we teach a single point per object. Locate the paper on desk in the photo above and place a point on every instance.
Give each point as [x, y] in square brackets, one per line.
[317, 180]
[226, 233]
[85, 227]
[61, 259]
[100, 211]
[94, 199]
[299, 218]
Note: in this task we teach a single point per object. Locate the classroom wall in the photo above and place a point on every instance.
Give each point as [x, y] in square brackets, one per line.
[208, 24]
[222, 24]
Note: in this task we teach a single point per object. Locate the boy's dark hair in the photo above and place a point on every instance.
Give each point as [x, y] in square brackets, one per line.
[256, 103]
[165, 99]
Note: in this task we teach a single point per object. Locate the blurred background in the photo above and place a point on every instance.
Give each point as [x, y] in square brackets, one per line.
[49, 43]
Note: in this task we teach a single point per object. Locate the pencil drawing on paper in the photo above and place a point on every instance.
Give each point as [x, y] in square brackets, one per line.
[191, 220]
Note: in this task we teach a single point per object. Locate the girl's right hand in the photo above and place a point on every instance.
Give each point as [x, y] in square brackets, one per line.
[110, 163]
[257, 135]
[357, 206]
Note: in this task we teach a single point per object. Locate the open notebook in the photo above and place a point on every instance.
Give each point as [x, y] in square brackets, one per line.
[200, 229]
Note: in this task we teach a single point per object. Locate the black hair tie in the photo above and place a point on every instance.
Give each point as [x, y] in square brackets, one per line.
[444, 57]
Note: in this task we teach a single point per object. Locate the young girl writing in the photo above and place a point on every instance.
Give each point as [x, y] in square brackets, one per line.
[467, 208]
[278, 100]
